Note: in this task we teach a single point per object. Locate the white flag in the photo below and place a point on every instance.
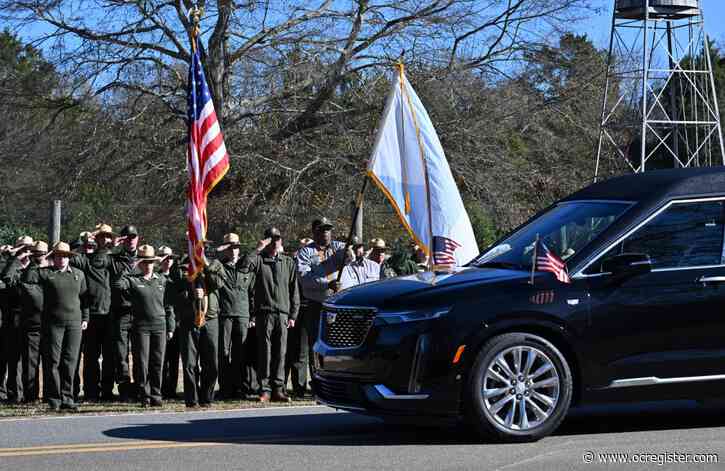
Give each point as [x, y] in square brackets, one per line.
[408, 164]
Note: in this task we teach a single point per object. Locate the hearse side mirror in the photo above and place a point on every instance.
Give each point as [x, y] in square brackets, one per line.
[627, 265]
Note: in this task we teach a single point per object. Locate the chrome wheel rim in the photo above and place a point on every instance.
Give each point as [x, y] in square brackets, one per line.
[521, 388]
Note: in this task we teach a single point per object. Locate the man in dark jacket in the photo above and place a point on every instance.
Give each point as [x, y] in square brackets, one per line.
[123, 262]
[12, 344]
[98, 341]
[276, 304]
[231, 278]
[18, 277]
[199, 343]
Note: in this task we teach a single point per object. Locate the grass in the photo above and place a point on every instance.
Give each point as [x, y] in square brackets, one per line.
[42, 410]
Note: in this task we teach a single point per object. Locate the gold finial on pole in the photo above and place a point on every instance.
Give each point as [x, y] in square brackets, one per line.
[195, 15]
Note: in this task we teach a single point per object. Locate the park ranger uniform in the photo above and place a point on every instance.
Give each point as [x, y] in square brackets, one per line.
[25, 282]
[123, 262]
[153, 317]
[98, 337]
[4, 311]
[199, 345]
[276, 299]
[64, 309]
[233, 284]
[12, 332]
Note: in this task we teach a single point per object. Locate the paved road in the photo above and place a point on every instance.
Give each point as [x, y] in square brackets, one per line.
[318, 438]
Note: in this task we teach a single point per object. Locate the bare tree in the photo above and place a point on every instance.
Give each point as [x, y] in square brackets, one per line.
[263, 55]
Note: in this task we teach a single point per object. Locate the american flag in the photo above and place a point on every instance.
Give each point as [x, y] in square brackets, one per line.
[444, 250]
[547, 261]
[207, 160]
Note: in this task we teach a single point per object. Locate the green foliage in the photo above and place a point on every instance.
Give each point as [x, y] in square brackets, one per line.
[9, 234]
[484, 226]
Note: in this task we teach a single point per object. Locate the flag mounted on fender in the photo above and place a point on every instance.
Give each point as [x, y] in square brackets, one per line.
[207, 159]
[409, 166]
[546, 260]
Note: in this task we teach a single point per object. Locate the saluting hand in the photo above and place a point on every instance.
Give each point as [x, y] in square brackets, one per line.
[262, 244]
[84, 325]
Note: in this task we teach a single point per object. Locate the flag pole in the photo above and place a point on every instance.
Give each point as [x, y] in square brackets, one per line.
[200, 305]
[351, 233]
[533, 259]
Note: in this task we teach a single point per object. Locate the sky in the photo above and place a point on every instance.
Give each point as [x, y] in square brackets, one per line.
[597, 28]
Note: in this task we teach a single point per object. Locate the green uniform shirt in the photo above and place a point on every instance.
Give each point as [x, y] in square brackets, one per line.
[97, 268]
[151, 302]
[64, 294]
[276, 289]
[184, 301]
[233, 284]
[122, 263]
[25, 282]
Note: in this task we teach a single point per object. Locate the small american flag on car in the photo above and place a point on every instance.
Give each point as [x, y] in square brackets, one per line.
[444, 251]
[546, 260]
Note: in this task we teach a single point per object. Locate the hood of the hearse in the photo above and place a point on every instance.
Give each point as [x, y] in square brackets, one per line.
[422, 285]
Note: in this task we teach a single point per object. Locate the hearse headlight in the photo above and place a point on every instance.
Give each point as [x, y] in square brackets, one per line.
[399, 317]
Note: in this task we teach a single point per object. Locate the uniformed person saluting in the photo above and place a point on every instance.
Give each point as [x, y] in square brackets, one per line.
[13, 332]
[153, 323]
[23, 279]
[231, 278]
[96, 264]
[123, 261]
[276, 304]
[65, 316]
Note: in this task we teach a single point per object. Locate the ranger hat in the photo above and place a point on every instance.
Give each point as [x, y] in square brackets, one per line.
[230, 240]
[272, 232]
[129, 231]
[166, 252]
[322, 223]
[62, 249]
[23, 241]
[146, 253]
[104, 230]
[40, 248]
[377, 244]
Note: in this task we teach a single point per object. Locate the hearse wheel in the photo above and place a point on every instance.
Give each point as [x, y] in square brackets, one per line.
[520, 388]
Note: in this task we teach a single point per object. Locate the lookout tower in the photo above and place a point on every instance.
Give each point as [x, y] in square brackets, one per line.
[659, 107]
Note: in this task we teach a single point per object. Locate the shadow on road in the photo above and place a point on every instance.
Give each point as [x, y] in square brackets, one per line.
[351, 429]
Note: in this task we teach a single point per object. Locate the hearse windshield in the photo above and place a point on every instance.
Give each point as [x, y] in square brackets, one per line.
[565, 229]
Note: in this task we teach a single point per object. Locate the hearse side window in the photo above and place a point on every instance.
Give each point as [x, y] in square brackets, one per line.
[684, 235]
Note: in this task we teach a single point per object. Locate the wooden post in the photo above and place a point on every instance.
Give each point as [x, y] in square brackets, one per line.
[54, 223]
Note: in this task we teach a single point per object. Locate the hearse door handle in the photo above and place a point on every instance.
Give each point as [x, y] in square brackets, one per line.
[711, 279]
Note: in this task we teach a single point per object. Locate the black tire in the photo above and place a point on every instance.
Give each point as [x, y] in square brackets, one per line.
[481, 418]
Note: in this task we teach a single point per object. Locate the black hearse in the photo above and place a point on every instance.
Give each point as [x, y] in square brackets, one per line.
[642, 319]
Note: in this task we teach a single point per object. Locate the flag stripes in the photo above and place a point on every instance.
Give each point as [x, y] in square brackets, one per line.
[207, 160]
[548, 261]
